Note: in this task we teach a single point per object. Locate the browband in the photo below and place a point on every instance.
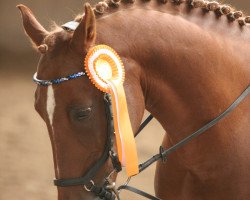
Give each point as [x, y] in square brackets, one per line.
[58, 80]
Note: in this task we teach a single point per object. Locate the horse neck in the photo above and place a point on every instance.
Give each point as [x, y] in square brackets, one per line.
[191, 65]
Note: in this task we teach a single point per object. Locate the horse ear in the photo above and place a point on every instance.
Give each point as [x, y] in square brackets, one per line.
[85, 34]
[32, 27]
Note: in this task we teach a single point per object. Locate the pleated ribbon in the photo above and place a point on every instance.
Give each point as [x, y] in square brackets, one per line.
[106, 71]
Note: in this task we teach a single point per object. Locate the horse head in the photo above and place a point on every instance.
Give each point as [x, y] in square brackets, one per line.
[74, 111]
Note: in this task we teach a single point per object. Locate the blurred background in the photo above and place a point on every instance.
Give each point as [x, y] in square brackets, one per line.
[26, 168]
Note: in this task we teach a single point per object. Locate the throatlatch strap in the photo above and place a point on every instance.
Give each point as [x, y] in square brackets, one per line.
[144, 123]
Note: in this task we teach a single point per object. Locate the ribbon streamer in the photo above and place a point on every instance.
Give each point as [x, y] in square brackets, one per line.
[105, 69]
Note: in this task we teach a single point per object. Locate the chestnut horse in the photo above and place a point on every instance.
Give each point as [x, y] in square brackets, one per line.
[185, 62]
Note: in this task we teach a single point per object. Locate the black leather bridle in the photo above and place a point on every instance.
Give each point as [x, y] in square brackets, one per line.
[108, 190]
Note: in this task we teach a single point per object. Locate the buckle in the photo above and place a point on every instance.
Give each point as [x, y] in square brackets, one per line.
[115, 161]
[161, 152]
[89, 189]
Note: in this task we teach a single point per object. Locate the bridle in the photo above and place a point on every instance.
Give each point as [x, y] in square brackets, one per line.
[87, 179]
[108, 191]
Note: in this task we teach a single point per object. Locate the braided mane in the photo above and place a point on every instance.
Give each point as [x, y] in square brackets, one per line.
[232, 14]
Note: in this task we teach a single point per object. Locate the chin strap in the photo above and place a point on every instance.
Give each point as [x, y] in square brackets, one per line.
[105, 193]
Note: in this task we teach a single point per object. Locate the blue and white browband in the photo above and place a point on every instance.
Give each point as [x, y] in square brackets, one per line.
[57, 81]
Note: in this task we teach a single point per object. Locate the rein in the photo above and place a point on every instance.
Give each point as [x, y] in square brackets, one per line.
[108, 191]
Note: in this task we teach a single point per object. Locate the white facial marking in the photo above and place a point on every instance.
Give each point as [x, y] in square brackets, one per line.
[51, 104]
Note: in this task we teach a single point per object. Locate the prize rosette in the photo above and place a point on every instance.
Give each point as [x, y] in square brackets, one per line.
[106, 71]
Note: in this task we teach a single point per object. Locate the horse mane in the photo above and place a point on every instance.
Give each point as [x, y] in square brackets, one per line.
[220, 9]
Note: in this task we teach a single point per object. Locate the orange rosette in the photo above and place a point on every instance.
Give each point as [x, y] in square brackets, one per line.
[105, 69]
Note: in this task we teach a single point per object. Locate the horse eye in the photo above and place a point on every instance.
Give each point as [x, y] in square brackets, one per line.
[79, 114]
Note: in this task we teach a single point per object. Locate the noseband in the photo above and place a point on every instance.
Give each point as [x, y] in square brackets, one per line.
[108, 190]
